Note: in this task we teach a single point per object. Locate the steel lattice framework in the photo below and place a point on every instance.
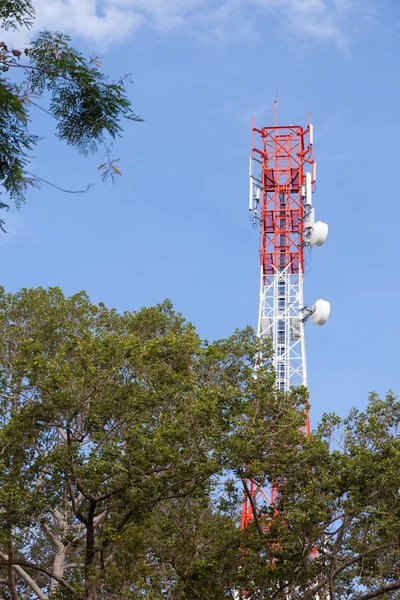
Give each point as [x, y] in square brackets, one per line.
[282, 177]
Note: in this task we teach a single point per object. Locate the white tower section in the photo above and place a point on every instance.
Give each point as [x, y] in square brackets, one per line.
[280, 319]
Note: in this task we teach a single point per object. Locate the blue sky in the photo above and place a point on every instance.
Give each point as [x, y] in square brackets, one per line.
[176, 224]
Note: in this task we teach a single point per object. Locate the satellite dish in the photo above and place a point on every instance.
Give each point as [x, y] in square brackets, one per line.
[321, 312]
[319, 233]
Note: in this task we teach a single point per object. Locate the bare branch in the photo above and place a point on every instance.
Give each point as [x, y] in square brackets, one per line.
[29, 565]
[252, 503]
[314, 590]
[27, 578]
[380, 592]
[37, 178]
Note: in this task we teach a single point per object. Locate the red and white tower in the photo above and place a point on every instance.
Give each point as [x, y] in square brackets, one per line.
[282, 182]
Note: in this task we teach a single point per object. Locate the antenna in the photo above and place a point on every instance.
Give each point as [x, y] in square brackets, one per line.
[276, 110]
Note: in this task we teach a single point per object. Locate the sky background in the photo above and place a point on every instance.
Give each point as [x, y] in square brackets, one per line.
[176, 223]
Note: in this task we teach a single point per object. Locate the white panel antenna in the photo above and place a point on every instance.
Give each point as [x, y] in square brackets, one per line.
[308, 189]
[309, 221]
[251, 202]
[251, 199]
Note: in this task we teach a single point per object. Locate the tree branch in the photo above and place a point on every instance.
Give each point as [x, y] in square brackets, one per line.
[40, 179]
[314, 590]
[27, 578]
[29, 565]
[379, 592]
[252, 503]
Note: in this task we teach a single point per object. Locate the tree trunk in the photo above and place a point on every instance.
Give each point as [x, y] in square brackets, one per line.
[90, 579]
[11, 575]
[60, 551]
[58, 567]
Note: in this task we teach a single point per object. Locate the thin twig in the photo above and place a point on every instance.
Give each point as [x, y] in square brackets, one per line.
[41, 179]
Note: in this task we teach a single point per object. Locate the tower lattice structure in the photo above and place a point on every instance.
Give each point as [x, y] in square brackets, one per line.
[282, 180]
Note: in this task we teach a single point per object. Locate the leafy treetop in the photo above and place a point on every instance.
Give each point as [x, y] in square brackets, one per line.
[87, 107]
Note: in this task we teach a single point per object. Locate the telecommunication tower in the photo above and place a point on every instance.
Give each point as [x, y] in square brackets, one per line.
[282, 182]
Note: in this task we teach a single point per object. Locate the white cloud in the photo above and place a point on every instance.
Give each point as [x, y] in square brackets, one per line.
[104, 23]
[313, 19]
[226, 22]
[108, 21]
[87, 18]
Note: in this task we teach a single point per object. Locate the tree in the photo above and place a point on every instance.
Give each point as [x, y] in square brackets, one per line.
[51, 75]
[186, 549]
[338, 519]
[126, 444]
[119, 431]
[335, 533]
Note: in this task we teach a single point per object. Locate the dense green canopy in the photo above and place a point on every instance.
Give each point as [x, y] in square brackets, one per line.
[109, 423]
[126, 443]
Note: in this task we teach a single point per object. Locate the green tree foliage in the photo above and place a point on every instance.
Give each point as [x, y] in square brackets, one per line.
[126, 445]
[122, 438]
[338, 518]
[50, 74]
[16, 13]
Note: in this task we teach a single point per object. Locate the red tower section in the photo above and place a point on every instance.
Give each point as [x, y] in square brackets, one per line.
[282, 155]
